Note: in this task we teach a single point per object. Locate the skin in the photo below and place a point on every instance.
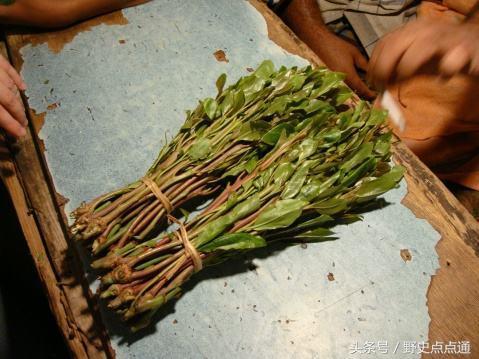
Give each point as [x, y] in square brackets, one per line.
[12, 114]
[304, 18]
[425, 46]
[46, 14]
[58, 13]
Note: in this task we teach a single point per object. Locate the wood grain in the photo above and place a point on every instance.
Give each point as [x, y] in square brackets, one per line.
[57, 264]
[453, 293]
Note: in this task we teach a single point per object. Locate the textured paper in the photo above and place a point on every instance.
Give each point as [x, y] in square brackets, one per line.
[119, 90]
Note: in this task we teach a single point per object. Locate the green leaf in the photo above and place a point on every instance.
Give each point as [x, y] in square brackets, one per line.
[273, 135]
[253, 130]
[234, 241]
[265, 70]
[297, 81]
[235, 170]
[232, 200]
[306, 148]
[238, 101]
[294, 185]
[266, 175]
[329, 81]
[332, 136]
[342, 95]
[220, 224]
[210, 106]
[220, 83]
[320, 220]
[253, 88]
[281, 84]
[200, 149]
[227, 103]
[326, 185]
[278, 106]
[377, 117]
[283, 172]
[378, 186]
[315, 233]
[345, 118]
[310, 190]
[299, 102]
[383, 144]
[316, 105]
[349, 218]
[355, 175]
[330, 206]
[359, 157]
[251, 164]
[279, 214]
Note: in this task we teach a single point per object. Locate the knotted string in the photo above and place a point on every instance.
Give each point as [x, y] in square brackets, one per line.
[190, 249]
[153, 187]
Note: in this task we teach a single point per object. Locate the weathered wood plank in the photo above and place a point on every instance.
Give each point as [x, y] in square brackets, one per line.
[453, 293]
[453, 296]
[56, 262]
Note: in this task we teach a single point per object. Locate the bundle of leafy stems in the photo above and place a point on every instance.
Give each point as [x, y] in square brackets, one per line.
[280, 157]
[215, 135]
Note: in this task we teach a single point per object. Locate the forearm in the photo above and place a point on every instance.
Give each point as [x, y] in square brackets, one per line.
[304, 18]
[57, 13]
[84, 9]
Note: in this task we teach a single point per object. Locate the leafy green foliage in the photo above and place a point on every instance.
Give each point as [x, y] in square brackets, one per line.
[282, 154]
[234, 241]
[200, 149]
[280, 214]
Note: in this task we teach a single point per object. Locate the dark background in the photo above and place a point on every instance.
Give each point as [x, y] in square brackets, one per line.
[27, 326]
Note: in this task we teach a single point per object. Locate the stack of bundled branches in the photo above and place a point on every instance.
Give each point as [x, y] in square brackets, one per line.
[278, 155]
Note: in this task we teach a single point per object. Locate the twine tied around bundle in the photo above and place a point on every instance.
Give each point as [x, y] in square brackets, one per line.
[153, 187]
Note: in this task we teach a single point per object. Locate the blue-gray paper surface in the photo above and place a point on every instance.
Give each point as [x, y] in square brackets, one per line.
[117, 100]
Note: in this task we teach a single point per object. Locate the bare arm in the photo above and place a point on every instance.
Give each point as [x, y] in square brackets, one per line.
[304, 18]
[57, 13]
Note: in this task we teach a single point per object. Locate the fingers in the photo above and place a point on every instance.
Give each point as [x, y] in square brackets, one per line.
[425, 47]
[360, 61]
[10, 70]
[421, 51]
[386, 63]
[357, 84]
[361, 88]
[12, 113]
[10, 125]
[388, 53]
[7, 81]
[376, 55]
[11, 102]
[455, 60]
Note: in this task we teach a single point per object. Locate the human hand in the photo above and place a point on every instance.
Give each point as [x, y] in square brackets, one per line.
[12, 112]
[340, 55]
[425, 46]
